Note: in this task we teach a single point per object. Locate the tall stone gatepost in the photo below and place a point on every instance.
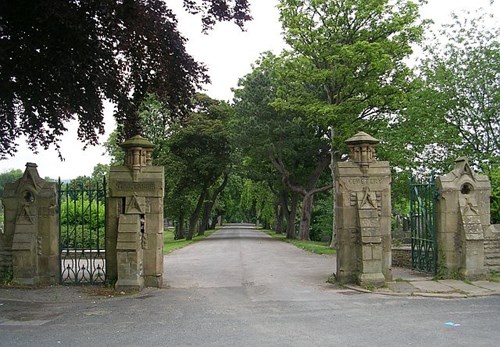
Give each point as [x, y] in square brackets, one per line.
[30, 240]
[363, 215]
[463, 216]
[134, 255]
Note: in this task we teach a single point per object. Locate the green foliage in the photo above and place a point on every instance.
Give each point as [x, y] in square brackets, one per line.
[309, 246]
[455, 101]
[82, 213]
[6, 275]
[258, 202]
[321, 226]
[79, 53]
[494, 276]
[280, 148]
[495, 195]
[346, 65]
[7, 177]
[230, 205]
[195, 152]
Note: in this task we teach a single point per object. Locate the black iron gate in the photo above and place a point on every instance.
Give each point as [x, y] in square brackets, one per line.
[423, 196]
[82, 231]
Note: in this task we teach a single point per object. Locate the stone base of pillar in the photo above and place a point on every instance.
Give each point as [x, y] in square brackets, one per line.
[153, 281]
[371, 279]
[130, 284]
[28, 281]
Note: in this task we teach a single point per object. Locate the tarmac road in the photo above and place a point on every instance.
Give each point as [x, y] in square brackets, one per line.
[240, 287]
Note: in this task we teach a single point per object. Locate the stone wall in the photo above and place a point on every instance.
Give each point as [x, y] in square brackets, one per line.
[492, 248]
[401, 256]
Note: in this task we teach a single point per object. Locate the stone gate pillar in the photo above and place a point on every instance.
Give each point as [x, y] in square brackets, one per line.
[134, 244]
[463, 215]
[363, 215]
[29, 243]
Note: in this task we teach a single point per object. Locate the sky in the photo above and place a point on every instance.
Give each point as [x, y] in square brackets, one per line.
[228, 54]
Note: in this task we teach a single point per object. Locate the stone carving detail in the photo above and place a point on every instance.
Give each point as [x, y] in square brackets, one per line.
[25, 216]
[354, 198]
[137, 205]
[368, 199]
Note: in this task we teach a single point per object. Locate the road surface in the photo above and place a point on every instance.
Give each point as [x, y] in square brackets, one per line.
[239, 287]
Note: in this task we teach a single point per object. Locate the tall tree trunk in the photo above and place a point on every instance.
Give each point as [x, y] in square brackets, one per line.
[333, 164]
[306, 191]
[195, 216]
[209, 204]
[179, 228]
[290, 214]
[333, 242]
[215, 220]
[279, 217]
[205, 217]
[305, 220]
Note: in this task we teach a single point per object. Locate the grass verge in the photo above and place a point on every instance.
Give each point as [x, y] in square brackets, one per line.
[310, 246]
[170, 245]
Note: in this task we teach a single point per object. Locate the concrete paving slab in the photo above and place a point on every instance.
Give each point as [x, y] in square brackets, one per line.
[401, 287]
[432, 287]
[494, 286]
[465, 287]
[409, 274]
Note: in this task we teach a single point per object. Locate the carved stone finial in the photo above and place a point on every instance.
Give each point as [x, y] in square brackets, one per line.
[462, 167]
[362, 149]
[138, 153]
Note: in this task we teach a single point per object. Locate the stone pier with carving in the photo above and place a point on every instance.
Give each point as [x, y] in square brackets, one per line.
[134, 220]
[29, 244]
[463, 212]
[363, 215]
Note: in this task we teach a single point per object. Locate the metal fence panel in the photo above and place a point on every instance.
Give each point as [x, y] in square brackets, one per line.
[424, 246]
[82, 232]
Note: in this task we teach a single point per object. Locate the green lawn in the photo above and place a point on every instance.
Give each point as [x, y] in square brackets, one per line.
[310, 246]
[170, 245]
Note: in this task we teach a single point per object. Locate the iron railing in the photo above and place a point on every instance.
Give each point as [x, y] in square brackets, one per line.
[82, 231]
[424, 248]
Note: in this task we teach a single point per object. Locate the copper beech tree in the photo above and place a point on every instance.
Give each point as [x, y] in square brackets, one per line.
[60, 59]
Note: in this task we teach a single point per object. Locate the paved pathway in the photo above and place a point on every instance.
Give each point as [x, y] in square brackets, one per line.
[241, 288]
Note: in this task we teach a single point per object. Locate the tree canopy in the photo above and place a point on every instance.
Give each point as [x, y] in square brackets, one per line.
[60, 59]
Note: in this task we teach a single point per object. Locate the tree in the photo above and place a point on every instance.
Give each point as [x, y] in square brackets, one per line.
[453, 102]
[283, 141]
[345, 70]
[60, 59]
[463, 77]
[9, 177]
[347, 57]
[196, 154]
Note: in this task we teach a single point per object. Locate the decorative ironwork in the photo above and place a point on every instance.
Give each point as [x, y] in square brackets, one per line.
[82, 231]
[423, 196]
